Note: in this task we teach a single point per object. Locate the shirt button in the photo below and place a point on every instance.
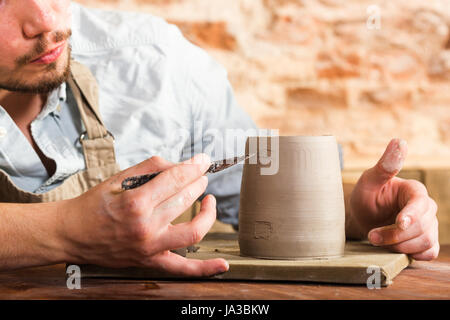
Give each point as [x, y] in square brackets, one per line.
[3, 132]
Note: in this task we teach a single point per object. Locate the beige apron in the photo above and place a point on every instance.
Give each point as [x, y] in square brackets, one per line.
[97, 143]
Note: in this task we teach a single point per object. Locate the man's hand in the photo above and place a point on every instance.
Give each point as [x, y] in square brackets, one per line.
[398, 213]
[111, 227]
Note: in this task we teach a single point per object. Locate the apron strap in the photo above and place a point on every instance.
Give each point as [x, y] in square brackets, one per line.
[98, 146]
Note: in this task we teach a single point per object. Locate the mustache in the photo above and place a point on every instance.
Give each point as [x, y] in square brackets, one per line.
[42, 46]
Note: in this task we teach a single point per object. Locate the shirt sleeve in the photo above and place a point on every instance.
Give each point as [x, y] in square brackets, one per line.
[219, 128]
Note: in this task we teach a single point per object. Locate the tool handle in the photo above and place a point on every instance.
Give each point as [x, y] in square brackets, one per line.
[136, 181]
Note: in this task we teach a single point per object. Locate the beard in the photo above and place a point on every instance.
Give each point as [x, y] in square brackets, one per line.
[44, 81]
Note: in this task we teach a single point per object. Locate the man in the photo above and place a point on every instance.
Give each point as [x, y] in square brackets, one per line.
[56, 144]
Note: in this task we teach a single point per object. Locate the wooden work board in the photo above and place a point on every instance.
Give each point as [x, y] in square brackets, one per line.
[352, 268]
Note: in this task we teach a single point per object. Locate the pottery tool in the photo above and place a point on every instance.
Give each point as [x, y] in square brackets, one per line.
[216, 166]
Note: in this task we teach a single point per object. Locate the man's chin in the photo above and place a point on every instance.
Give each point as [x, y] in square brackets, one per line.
[46, 85]
[53, 75]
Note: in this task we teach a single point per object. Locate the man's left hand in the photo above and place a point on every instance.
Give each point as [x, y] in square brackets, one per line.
[396, 213]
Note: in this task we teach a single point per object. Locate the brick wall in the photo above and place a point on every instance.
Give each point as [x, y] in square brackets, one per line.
[328, 67]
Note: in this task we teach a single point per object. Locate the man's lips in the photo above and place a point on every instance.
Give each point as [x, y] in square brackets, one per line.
[50, 55]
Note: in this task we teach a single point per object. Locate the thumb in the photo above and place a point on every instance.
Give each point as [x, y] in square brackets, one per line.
[390, 163]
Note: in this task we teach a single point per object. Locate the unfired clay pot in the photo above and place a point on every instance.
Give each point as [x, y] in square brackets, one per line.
[298, 212]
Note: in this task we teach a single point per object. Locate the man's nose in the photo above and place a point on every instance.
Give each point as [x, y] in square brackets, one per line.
[39, 18]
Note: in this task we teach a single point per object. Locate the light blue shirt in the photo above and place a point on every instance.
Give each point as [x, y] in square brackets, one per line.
[158, 94]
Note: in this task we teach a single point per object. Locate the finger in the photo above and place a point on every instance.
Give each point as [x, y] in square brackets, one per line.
[390, 163]
[414, 211]
[429, 254]
[189, 233]
[419, 244]
[393, 234]
[174, 179]
[177, 265]
[151, 165]
[171, 208]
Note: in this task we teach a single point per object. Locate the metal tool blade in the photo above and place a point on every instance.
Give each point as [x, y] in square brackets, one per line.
[220, 165]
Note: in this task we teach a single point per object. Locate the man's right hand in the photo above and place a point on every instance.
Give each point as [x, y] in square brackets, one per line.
[110, 227]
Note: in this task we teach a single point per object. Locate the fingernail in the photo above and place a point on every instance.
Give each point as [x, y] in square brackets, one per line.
[405, 222]
[224, 268]
[202, 159]
[395, 157]
[213, 200]
[375, 237]
[402, 143]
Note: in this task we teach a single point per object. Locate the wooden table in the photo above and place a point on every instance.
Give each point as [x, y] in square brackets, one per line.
[421, 280]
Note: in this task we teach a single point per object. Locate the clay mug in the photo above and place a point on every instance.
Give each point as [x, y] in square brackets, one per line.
[296, 211]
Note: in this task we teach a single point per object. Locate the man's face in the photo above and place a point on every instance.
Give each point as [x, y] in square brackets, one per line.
[34, 47]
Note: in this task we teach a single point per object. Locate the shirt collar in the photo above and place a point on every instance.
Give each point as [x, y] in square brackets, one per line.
[53, 101]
